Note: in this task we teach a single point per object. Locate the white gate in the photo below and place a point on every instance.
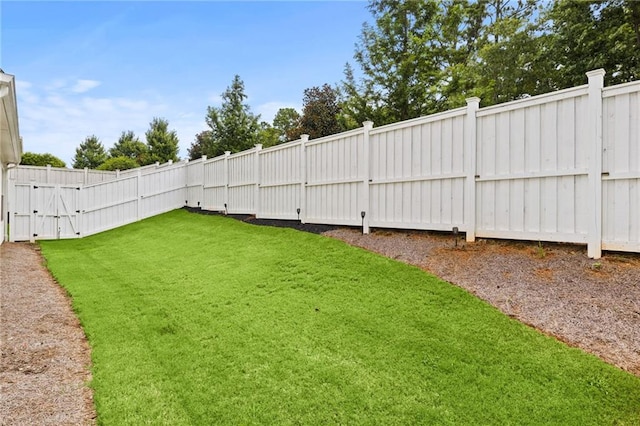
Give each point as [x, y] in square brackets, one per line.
[45, 212]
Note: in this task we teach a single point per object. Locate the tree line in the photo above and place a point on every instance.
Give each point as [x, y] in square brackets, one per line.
[127, 153]
[421, 57]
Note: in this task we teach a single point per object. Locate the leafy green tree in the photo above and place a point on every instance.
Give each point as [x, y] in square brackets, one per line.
[119, 163]
[286, 121]
[233, 127]
[162, 143]
[268, 135]
[357, 102]
[201, 146]
[90, 153]
[320, 112]
[398, 62]
[42, 160]
[130, 146]
[510, 53]
[422, 57]
[586, 35]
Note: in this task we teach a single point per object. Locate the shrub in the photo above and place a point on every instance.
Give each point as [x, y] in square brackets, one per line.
[118, 163]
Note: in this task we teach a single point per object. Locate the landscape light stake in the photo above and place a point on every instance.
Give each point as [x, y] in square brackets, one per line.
[363, 214]
[225, 209]
[455, 235]
[298, 211]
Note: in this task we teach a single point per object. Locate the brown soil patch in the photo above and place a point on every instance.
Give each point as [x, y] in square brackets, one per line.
[45, 358]
[556, 288]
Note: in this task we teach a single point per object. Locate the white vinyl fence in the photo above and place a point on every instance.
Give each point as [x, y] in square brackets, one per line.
[563, 166]
[56, 209]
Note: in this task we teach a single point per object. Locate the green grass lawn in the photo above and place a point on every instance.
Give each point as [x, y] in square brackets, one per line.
[206, 320]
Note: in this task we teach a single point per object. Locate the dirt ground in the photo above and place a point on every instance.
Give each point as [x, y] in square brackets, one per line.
[594, 305]
[45, 359]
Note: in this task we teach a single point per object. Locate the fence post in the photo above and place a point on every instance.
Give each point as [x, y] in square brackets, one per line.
[364, 198]
[48, 173]
[256, 194]
[201, 191]
[596, 84]
[226, 182]
[10, 201]
[32, 213]
[86, 175]
[470, 150]
[303, 178]
[138, 194]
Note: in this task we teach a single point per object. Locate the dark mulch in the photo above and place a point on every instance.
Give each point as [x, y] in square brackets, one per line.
[247, 218]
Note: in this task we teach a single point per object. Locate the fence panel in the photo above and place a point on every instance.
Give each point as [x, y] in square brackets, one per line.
[621, 168]
[109, 205]
[59, 176]
[532, 169]
[163, 190]
[243, 181]
[20, 216]
[215, 184]
[417, 173]
[335, 188]
[195, 180]
[280, 181]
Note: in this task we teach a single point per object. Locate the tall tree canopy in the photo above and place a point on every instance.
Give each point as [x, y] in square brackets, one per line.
[232, 126]
[398, 62]
[130, 146]
[319, 112]
[586, 35]
[286, 121]
[161, 142]
[426, 56]
[90, 153]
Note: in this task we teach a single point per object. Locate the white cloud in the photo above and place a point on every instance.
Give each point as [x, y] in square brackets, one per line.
[82, 86]
[268, 110]
[57, 121]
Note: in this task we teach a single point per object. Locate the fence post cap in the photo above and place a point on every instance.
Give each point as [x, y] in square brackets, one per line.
[473, 100]
[596, 73]
[368, 124]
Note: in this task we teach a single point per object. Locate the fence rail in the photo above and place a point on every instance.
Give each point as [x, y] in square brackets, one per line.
[563, 166]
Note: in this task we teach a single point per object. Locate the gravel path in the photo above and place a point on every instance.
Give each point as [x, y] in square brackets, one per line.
[556, 288]
[44, 366]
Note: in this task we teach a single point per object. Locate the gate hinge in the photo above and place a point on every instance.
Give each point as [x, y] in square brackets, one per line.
[35, 211]
[35, 235]
[77, 233]
[77, 211]
[35, 187]
[78, 188]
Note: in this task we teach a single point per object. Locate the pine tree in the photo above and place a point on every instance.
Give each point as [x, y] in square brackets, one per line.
[162, 143]
[90, 153]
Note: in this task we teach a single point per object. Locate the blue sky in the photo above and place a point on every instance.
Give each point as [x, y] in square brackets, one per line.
[87, 67]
